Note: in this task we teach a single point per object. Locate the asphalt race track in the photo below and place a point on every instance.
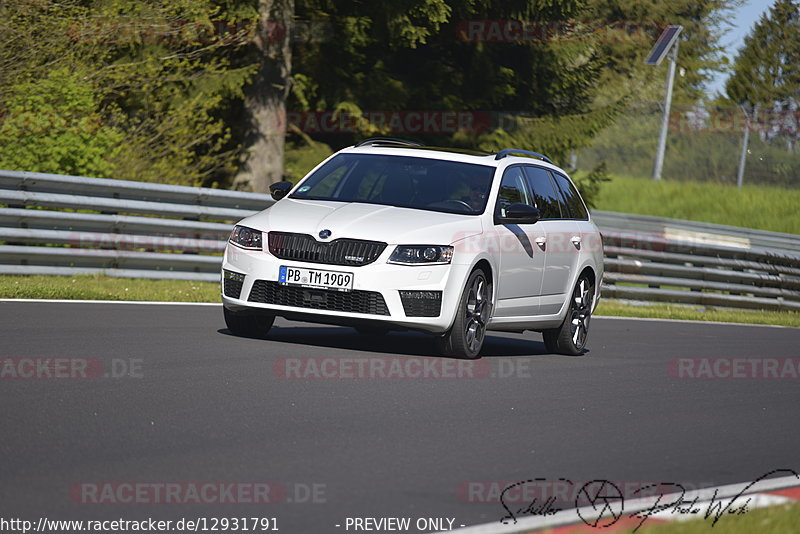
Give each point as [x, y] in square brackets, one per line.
[196, 404]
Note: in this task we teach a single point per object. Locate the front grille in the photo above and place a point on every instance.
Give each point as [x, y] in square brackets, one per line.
[232, 284]
[421, 303]
[368, 302]
[303, 247]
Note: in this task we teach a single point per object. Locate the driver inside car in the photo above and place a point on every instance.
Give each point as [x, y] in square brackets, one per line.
[476, 196]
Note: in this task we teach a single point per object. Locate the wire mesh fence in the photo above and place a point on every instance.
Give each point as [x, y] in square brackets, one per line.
[703, 144]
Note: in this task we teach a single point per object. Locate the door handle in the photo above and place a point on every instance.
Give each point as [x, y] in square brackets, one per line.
[541, 241]
[576, 240]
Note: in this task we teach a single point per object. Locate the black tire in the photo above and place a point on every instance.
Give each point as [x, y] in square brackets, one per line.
[248, 324]
[465, 338]
[570, 337]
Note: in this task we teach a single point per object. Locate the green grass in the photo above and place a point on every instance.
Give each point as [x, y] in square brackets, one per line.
[618, 308]
[772, 520]
[107, 288]
[761, 207]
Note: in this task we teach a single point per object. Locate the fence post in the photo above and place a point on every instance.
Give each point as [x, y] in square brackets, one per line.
[662, 137]
[745, 145]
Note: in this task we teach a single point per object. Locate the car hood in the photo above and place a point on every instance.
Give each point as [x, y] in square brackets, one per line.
[365, 221]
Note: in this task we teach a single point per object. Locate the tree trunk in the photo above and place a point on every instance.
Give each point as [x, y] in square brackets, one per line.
[266, 97]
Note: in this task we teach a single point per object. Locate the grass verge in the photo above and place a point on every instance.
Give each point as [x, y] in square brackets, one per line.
[619, 308]
[107, 288]
[753, 206]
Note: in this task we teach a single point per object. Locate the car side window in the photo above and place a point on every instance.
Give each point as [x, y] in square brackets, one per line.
[513, 189]
[544, 192]
[571, 196]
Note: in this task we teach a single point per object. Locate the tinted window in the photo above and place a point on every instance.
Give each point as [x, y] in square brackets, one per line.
[544, 192]
[406, 182]
[513, 190]
[571, 196]
[333, 177]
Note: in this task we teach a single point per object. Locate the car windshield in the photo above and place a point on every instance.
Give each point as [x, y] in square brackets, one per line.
[402, 181]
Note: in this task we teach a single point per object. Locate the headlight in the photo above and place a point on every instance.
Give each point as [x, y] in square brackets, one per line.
[422, 254]
[245, 237]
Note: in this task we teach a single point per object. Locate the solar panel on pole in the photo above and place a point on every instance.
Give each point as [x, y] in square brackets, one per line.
[663, 45]
[667, 44]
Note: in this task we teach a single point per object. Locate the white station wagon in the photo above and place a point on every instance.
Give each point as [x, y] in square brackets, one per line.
[391, 235]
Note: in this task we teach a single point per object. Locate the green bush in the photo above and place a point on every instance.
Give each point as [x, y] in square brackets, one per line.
[52, 125]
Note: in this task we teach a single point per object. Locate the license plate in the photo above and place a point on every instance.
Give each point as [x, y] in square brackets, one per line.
[316, 278]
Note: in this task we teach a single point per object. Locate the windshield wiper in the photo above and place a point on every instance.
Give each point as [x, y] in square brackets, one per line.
[315, 198]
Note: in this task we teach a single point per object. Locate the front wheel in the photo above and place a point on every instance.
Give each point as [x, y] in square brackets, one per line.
[570, 337]
[465, 338]
[248, 324]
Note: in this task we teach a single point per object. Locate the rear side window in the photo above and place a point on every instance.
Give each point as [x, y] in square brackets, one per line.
[513, 190]
[544, 192]
[571, 197]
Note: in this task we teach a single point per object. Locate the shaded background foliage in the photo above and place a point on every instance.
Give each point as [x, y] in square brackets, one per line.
[155, 90]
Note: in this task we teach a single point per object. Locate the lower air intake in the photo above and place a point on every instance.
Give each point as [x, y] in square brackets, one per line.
[421, 303]
[367, 302]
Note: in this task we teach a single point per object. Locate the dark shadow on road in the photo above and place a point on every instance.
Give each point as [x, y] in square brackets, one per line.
[406, 343]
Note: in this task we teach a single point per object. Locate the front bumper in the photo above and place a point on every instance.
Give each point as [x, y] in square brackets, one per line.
[260, 290]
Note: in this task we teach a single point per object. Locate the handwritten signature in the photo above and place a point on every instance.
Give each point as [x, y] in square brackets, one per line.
[608, 502]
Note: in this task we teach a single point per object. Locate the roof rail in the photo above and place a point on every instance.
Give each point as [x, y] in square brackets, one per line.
[387, 141]
[508, 151]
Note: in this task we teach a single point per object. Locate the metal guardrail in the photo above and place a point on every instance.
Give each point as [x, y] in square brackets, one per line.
[668, 260]
[698, 231]
[116, 227]
[67, 225]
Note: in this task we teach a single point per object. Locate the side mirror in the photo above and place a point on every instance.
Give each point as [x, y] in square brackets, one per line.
[280, 189]
[519, 214]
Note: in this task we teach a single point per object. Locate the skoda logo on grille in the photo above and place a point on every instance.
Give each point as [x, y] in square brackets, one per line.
[325, 234]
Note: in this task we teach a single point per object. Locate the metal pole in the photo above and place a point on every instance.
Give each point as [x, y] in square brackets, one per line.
[662, 137]
[743, 156]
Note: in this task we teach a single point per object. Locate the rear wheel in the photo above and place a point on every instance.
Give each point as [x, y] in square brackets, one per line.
[570, 337]
[248, 324]
[465, 338]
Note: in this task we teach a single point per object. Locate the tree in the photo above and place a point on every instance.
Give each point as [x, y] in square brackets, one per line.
[766, 72]
[767, 69]
[162, 76]
[197, 102]
[553, 93]
[266, 97]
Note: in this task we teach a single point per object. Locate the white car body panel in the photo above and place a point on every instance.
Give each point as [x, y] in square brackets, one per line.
[372, 222]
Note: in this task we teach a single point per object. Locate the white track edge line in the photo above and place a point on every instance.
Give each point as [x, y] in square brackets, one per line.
[688, 321]
[143, 302]
[176, 303]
